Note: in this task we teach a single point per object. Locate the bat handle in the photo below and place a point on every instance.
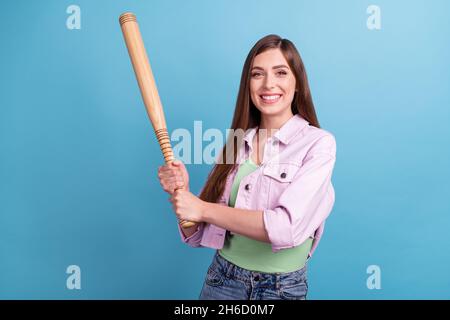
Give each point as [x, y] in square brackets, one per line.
[164, 143]
[185, 223]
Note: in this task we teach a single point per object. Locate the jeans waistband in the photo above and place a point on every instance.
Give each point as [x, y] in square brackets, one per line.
[231, 270]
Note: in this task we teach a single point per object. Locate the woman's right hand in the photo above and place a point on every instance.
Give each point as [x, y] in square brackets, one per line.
[173, 176]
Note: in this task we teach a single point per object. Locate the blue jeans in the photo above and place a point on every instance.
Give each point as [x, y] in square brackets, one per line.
[226, 281]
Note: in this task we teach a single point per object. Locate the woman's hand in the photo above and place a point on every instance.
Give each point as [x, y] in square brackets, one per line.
[172, 176]
[187, 206]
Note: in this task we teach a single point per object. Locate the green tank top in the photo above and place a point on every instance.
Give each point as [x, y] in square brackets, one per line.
[256, 255]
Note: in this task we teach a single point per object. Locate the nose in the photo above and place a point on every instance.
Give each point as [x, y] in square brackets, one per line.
[269, 82]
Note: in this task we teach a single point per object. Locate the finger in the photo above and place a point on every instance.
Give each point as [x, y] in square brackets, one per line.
[169, 185]
[165, 167]
[168, 190]
[167, 172]
[177, 162]
[171, 165]
[173, 186]
[179, 165]
[175, 209]
[179, 184]
[182, 167]
[168, 181]
[171, 173]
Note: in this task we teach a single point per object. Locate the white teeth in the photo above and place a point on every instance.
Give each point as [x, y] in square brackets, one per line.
[271, 97]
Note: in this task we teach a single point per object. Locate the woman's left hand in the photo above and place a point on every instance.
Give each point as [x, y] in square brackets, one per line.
[187, 206]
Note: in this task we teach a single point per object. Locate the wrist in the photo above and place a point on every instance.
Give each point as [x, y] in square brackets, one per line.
[205, 212]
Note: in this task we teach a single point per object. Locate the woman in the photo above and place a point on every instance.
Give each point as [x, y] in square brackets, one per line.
[264, 211]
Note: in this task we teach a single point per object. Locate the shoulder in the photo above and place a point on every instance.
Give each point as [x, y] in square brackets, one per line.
[321, 136]
[317, 140]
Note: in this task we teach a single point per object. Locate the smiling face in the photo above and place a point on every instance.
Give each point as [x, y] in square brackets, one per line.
[272, 83]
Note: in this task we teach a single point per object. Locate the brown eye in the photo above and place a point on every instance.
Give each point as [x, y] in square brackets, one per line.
[282, 73]
[256, 74]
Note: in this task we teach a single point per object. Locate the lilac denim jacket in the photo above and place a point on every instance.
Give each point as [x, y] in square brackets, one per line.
[292, 187]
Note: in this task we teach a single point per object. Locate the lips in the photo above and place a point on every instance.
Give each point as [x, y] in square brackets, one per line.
[270, 98]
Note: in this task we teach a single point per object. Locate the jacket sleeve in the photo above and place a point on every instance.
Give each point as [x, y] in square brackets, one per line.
[307, 201]
[195, 239]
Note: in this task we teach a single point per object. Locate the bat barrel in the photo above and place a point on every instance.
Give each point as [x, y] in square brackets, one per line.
[147, 86]
[146, 82]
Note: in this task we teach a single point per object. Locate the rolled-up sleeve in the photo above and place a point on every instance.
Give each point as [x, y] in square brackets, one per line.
[307, 201]
[203, 229]
[194, 239]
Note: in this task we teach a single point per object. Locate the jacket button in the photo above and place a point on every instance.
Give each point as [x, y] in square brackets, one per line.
[283, 175]
[247, 187]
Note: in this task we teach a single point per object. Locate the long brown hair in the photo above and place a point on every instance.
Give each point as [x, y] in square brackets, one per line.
[246, 115]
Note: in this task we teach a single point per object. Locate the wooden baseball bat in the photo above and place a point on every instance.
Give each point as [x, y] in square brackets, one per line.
[147, 85]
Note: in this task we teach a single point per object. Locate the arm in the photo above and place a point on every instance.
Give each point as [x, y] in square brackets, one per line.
[292, 221]
[171, 177]
[297, 214]
[307, 201]
[249, 223]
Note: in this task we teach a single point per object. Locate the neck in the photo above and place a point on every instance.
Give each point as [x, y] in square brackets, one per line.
[274, 122]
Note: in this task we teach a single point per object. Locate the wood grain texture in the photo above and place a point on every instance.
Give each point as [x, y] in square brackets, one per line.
[147, 86]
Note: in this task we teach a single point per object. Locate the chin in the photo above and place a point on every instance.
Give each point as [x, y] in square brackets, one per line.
[271, 110]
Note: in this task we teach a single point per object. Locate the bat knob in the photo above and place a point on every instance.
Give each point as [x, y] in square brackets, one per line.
[187, 224]
[127, 16]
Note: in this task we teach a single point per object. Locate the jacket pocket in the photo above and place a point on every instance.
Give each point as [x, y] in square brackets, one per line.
[281, 172]
[278, 176]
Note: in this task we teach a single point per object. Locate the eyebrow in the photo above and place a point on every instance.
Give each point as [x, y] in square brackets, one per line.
[275, 67]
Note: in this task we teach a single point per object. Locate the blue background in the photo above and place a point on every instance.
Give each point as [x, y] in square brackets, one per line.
[78, 157]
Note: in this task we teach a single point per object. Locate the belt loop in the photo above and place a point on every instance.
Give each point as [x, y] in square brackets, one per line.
[277, 282]
[230, 268]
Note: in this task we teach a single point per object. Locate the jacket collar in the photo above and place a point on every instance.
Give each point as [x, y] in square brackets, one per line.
[285, 134]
